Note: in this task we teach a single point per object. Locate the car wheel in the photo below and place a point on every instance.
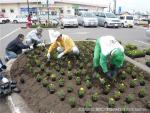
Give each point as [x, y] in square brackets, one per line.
[105, 25]
[84, 24]
[15, 21]
[3, 21]
[122, 25]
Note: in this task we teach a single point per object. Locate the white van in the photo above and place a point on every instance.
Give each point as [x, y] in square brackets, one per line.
[127, 21]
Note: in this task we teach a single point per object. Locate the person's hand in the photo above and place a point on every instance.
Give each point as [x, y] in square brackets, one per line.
[48, 56]
[108, 74]
[60, 55]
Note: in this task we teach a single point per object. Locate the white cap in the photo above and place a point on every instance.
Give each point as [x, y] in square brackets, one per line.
[54, 35]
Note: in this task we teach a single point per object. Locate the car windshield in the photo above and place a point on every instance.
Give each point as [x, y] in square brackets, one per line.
[110, 15]
[129, 17]
[88, 15]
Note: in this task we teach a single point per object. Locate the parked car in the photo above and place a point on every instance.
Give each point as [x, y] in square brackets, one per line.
[23, 19]
[87, 19]
[108, 19]
[69, 21]
[4, 20]
[127, 21]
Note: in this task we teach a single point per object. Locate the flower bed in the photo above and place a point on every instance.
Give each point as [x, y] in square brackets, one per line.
[66, 85]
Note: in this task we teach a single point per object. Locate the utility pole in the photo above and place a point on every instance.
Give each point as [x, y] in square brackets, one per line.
[28, 6]
[48, 9]
[115, 2]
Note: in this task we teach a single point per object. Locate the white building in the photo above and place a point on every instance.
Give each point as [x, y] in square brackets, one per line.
[11, 8]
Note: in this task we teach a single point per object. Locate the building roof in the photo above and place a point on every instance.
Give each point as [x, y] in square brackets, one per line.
[18, 1]
[81, 3]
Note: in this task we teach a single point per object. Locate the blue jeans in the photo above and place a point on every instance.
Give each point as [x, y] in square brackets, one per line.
[10, 55]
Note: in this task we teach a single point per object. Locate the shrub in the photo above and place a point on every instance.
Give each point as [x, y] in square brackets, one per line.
[61, 82]
[78, 81]
[130, 47]
[121, 87]
[133, 83]
[148, 104]
[111, 103]
[106, 89]
[148, 51]
[117, 95]
[39, 78]
[135, 53]
[51, 88]
[88, 106]
[61, 95]
[81, 92]
[88, 84]
[148, 63]
[72, 101]
[142, 93]
[45, 83]
[53, 77]
[70, 88]
[95, 97]
[130, 98]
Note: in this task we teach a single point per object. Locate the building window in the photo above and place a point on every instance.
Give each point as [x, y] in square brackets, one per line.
[3, 10]
[11, 10]
[68, 11]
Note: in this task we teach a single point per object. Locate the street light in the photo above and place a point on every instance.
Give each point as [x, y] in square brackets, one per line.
[28, 6]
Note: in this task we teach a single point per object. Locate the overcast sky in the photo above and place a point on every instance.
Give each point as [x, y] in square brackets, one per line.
[137, 5]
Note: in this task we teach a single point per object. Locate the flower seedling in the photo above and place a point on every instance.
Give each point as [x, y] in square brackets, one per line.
[133, 83]
[45, 83]
[130, 98]
[69, 67]
[69, 75]
[57, 68]
[78, 81]
[51, 88]
[111, 103]
[106, 89]
[134, 74]
[83, 72]
[53, 77]
[70, 88]
[121, 87]
[142, 93]
[62, 71]
[39, 78]
[81, 65]
[61, 82]
[61, 95]
[95, 97]
[88, 106]
[48, 72]
[81, 92]
[72, 101]
[148, 104]
[142, 82]
[117, 95]
[88, 84]
[42, 67]
[87, 77]
[123, 75]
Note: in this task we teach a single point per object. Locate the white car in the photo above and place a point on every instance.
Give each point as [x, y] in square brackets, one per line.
[127, 21]
[87, 19]
[69, 21]
[4, 20]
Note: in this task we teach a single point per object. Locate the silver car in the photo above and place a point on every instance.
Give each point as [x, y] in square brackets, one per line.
[87, 19]
[69, 21]
[108, 19]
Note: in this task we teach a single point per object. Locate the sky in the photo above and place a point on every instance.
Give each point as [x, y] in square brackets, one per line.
[127, 5]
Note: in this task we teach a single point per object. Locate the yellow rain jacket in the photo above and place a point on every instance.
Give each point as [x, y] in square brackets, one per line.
[67, 43]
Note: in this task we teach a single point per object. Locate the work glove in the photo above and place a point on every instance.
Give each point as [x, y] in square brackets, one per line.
[108, 74]
[41, 44]
[31, 47]
[48, 56]
[60, 55]
[5, 80]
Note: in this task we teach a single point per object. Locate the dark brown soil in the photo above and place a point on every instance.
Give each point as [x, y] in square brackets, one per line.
[40, 100]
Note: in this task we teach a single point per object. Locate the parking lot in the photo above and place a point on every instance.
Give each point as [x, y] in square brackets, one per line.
[134, 35]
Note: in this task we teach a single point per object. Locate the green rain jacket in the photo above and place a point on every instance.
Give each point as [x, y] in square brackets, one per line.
[108, 50]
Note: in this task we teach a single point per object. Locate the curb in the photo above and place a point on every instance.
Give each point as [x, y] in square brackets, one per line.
[15, 101]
